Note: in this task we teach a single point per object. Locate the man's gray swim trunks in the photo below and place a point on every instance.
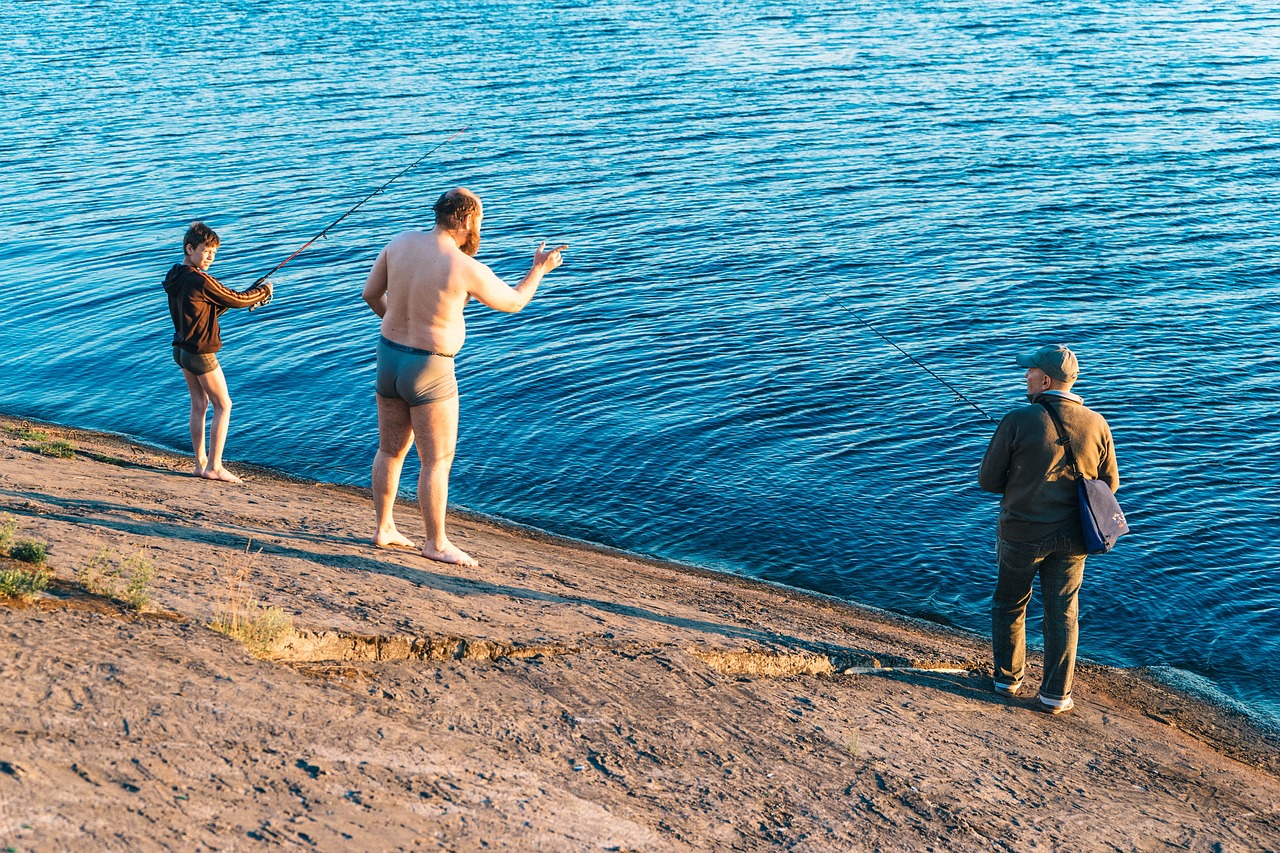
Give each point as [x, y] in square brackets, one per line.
[416, 376]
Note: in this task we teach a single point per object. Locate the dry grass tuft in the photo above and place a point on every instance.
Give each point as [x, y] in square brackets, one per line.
[8, 527]
[241, 616]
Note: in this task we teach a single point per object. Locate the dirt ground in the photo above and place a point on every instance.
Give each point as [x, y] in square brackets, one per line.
[559, 697]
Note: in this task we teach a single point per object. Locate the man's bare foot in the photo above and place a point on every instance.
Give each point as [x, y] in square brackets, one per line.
[220, 474]
[450, 553]
[198, 472]
[392, 539]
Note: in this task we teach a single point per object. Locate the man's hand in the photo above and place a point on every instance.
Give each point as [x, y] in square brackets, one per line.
[495, 293]
[544, 261]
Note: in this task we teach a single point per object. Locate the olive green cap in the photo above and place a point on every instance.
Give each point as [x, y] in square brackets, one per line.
[1055, 359]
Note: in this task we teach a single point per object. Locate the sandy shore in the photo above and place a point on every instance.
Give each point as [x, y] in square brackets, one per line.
[560, 697]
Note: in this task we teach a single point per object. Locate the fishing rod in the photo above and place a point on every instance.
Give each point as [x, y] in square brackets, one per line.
[357, 206]
[909, 356]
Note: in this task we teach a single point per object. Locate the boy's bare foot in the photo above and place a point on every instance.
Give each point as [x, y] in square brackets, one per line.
[392, 539]
[450, 553]
[221, 474]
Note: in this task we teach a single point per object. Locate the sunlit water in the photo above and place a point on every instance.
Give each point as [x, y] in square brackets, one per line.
[742, 186]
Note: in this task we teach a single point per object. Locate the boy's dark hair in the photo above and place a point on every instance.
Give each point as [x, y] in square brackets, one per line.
[200, 233]
[453, 208]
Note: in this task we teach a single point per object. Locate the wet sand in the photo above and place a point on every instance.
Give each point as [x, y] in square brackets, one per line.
[559, 697]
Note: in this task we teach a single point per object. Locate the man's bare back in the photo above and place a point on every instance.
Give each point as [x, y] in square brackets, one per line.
[419, 286]
[427, 281]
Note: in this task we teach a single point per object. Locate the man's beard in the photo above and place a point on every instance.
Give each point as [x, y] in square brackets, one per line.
[472, 244]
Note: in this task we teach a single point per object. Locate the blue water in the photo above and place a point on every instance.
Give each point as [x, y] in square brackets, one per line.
[741, 184]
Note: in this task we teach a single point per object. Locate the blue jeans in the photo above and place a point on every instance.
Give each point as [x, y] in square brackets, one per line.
[1059, 560]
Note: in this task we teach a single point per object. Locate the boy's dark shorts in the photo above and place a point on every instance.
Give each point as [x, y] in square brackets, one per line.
[198, 363]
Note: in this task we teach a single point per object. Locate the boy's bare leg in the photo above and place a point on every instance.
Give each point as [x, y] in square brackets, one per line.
[395, 435]
[214, 385]
[435, 427]
[199, 407]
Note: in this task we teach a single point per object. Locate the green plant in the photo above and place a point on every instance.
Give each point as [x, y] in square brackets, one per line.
[26, 433]
[8, 526]
[41, 442]
[59, 448]
[124, 580]
[141, 571]
[23, 583]
[99, 573]
[31, 551]
[239, 615]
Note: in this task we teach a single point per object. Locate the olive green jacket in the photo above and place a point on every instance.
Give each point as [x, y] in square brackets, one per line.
[1026, 464]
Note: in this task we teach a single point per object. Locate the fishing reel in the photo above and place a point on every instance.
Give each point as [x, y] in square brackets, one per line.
[270, 293]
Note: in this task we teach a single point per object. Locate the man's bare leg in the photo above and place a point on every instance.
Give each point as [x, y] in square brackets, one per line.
[395, 435]
[435, 426]
[214, 385]
[199, 408]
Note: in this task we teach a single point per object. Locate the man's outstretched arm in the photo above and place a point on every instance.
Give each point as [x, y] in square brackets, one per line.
[495, 293]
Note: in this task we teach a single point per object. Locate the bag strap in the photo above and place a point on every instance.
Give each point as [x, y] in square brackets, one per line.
[1062, 437]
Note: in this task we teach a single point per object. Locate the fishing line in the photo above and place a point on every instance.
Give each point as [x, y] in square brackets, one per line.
[909, 356]
[358, 204]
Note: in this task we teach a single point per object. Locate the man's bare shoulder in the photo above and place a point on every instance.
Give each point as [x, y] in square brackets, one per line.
[416, 250]
[410, 240]
[472, 265]
[463, 267]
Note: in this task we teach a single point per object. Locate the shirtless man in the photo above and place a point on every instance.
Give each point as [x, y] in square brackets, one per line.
[418, 286]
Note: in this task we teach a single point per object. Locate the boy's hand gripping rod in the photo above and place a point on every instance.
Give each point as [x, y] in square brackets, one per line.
[356, 207]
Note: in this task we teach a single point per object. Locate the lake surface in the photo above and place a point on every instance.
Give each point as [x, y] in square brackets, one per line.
[748, 191]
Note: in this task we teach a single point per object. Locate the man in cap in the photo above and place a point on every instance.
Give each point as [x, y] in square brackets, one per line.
[1039, 528]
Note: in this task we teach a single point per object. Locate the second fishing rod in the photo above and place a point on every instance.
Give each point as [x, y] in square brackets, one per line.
[959, 394]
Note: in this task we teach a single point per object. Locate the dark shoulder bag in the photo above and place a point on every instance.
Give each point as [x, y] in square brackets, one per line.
[1101, 518]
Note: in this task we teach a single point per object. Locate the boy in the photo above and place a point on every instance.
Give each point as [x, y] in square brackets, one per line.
[196, 300]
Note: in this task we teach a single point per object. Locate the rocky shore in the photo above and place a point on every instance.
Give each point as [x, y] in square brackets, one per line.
[559, 697]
